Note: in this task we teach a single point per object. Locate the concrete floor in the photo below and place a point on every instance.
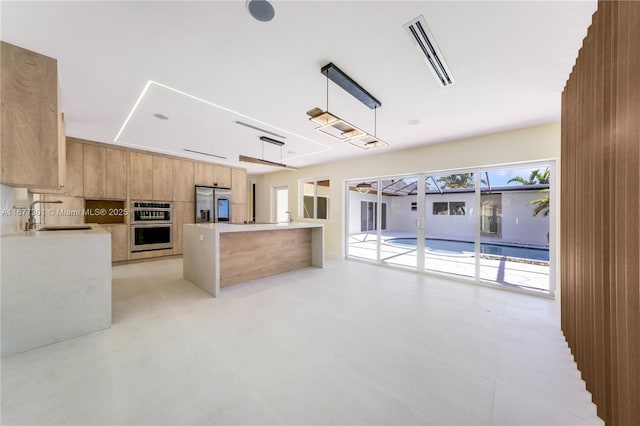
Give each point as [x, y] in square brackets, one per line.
[352, 343]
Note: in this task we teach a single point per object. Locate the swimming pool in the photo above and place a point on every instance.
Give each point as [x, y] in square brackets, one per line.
[459, 247]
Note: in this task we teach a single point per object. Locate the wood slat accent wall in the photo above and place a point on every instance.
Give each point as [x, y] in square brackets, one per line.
[600, 225]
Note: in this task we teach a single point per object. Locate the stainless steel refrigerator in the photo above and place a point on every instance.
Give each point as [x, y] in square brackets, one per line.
[213, 204]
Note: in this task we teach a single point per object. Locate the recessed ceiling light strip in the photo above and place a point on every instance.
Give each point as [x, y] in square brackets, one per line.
[135, 106]
[150, 82]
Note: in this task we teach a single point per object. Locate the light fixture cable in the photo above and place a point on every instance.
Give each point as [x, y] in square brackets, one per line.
[327, 109]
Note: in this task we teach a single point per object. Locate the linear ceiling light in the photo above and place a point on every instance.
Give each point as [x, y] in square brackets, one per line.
[336, 75]
[262, 161]
[422, 37]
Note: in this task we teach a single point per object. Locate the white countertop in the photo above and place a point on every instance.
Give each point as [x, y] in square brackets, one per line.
[226, 227]
[95, 230]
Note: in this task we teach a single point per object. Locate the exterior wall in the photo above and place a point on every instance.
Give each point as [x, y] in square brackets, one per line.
[354, 209]
[462, 227]
[518, 223]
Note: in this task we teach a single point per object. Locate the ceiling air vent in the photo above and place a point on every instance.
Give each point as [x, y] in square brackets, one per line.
[420, 34]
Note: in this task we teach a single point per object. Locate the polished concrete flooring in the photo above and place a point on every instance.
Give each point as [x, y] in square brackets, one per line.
[350, 344]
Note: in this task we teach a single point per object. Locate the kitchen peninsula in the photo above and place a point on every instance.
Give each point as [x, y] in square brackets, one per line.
[56, 285]
[218, 255]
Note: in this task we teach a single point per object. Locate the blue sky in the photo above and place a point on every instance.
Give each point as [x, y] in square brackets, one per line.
[500, 177]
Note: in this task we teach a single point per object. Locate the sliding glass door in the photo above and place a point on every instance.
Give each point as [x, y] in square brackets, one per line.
[514, 226]
[450, 224]
[490, 225]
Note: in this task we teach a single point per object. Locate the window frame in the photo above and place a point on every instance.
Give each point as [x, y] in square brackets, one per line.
[302, 196]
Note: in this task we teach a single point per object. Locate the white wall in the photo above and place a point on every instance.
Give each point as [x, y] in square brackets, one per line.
[518, 222]
[462, 227]
[528, 144]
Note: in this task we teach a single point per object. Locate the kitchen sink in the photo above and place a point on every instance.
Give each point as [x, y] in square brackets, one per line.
[65, 228]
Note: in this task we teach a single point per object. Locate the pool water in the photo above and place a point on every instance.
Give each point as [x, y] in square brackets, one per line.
[459, 247]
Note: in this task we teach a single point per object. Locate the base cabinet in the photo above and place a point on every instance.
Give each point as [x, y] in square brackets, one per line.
[119, 242]
[183, 212]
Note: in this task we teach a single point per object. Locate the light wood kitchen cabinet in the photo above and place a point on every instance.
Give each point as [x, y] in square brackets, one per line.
[105, 172]
[74, 181]
[69, 212]
[222, 176]
[239, 186]
[203, 174]
[32, 147]
[183, 182]
[183, 212]
[141, 176]
[94, 171]
[238, 213]
[162, 178]
[116, 173]
[119, 242]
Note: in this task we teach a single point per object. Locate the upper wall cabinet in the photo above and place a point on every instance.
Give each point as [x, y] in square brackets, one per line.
[141, 169]
[32, 124]
[162, 178]
[239, 185]
[222, 176]
[204, 174]
[105, 172]
[74, 184]
[94, 172]
[183, 182]
[116, 173]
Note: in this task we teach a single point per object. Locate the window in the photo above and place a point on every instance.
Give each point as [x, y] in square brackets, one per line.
[456, 208]
[453, 208]
[440, 208]
[414, 206]
[315, 198]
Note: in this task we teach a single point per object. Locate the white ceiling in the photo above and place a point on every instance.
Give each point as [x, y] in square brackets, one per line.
[212, 64]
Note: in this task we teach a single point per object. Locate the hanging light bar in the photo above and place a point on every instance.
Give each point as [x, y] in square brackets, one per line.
[262, 161]
[334, 126]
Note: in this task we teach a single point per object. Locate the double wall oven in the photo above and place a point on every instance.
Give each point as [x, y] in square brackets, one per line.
[151, 225]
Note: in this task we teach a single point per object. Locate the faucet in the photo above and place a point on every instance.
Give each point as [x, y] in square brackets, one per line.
[31, 223]
[289, 217]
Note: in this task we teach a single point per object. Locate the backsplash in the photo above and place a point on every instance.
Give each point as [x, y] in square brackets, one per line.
[15, 204]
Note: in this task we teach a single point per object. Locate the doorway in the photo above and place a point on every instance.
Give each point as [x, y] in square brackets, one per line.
[280, 204]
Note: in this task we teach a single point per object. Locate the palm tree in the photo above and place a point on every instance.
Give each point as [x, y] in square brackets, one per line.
[535, 178]
[541, 204]
[460, 180]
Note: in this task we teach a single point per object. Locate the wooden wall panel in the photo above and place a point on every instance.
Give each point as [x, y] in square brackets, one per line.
[600, 204]
[264, 254]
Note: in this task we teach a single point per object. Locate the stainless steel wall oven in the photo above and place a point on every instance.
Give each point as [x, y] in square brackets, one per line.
[151, 225]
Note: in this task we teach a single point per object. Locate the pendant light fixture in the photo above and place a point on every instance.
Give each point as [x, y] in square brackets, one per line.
[334, 126]
[262, 161]
[363, 187]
